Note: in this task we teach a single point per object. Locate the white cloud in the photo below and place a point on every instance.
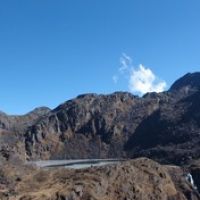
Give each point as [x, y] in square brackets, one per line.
[140, 79]
[143, 80]
[125, 63]
[115, 79]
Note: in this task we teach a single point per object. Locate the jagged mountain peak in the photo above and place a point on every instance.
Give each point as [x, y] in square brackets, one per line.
[187, 82]
[39, 111]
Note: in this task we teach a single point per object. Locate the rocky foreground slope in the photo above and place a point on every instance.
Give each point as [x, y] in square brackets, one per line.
[140, 179]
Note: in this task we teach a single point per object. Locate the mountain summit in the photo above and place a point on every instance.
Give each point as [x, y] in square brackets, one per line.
[188, 81]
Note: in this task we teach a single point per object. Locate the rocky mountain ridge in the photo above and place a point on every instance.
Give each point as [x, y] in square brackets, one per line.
[163, 126]
[157, 125]
[18, 123]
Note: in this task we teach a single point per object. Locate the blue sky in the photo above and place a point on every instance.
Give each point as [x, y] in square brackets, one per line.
[53, 50]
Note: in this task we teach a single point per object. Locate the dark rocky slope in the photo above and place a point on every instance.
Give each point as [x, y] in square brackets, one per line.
[188, 81]
[164, 126]
[90, 126]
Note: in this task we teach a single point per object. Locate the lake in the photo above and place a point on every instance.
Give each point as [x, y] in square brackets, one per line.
[75, 164]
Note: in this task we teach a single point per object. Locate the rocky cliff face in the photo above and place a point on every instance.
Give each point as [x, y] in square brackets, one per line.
[90, 126]
[12, 129]
[164, 126]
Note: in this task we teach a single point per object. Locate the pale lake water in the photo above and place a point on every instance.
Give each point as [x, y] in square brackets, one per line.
[75, 164]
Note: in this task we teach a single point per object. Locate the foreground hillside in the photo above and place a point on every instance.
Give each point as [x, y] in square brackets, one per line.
[136, 179]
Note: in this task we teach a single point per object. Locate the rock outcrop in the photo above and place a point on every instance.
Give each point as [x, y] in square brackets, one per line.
[19, 123]
[12, 129]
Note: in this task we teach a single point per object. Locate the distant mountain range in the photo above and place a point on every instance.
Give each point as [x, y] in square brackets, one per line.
[162, 126]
